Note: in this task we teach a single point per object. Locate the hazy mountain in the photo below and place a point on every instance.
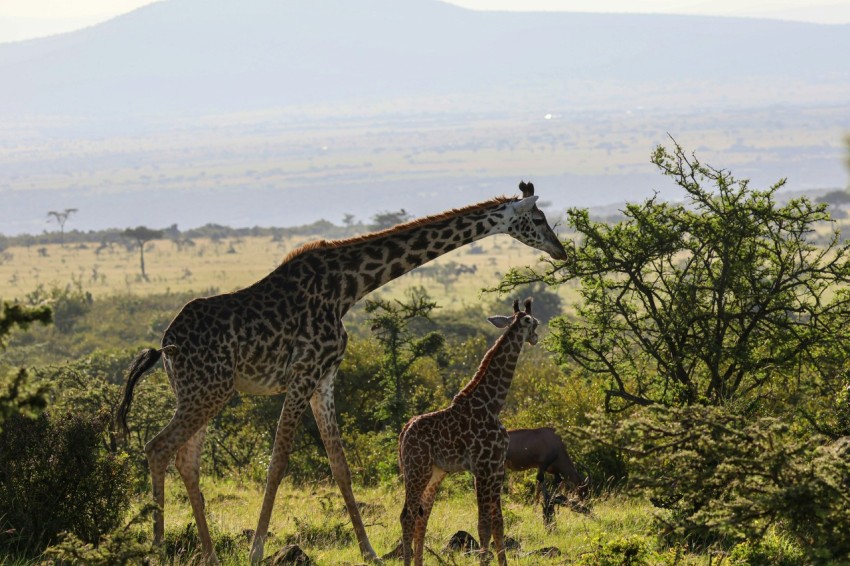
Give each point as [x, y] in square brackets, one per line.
[182, 56]
[245, 112]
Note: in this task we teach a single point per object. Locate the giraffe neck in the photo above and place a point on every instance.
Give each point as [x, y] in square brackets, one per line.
[360, 265]
[489, 388]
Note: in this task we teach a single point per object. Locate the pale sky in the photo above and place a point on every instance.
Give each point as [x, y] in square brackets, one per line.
[25, 19]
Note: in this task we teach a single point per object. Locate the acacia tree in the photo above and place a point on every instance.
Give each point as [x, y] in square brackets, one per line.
[390, 321]
[388, 219]
[701, 302]
[142, 235]
[61, 217]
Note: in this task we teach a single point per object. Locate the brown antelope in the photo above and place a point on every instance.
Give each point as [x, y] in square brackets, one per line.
[543, 449]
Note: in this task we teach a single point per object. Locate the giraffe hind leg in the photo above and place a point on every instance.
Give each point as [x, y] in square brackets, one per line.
[188, 419]
[416, 479]
[426, 504]
[188, 463]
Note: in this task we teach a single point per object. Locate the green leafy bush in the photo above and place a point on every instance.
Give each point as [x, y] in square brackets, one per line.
[19, 396]
[770, 550]
[124, 545]
[373, 456]
[56, 477]
[722, 477]
[183, 546]
[93, 384]
[70, 303]
[634, 550]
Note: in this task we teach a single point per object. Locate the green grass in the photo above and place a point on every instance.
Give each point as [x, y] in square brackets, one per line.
[313, 516]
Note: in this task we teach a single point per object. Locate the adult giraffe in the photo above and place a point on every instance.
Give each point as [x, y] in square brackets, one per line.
[285, 333]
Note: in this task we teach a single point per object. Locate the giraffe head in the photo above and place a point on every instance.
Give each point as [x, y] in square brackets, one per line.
[528, 224]
[521, 321]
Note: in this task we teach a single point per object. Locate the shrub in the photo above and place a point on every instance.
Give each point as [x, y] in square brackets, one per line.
[324, 534]
[93, 384]
[122, 546]
[18, 396]
[70, 303]
[55, 477]
[635, 550]
[183, 546]
[239, 439]
[771, 550]
[373, 456]
[722, 477]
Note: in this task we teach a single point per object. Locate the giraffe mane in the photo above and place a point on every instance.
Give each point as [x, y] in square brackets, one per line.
[415, 223]
[482, 368]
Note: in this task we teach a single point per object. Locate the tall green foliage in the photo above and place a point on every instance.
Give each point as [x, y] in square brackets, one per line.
[722, 476]
[55, 478]
[390, 321]
[16, 314]
[17, 395]
[700, 302]
[69, 303]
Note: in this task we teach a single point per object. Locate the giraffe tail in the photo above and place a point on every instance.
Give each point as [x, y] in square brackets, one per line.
[138, 368]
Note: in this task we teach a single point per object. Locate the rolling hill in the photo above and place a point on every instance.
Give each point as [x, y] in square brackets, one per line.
[198, 56]
[261, 112]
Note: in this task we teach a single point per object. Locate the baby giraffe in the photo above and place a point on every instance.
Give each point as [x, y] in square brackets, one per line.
[467, 435]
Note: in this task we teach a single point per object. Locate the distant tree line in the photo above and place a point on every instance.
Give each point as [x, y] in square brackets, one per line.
[320, 228]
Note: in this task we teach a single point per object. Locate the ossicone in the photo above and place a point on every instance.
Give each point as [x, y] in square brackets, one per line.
[526, 188]
[516, 306]
[527, 304]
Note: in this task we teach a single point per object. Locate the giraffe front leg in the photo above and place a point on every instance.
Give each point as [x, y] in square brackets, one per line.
[484, 530]
[487, 491]
[294, 405]
[322, 403]
[496, 519]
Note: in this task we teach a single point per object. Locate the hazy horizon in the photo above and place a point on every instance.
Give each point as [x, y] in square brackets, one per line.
[260, 113]
[28, 19]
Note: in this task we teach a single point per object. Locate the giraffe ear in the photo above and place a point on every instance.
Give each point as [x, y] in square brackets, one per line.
[500, 321]
[524, 205]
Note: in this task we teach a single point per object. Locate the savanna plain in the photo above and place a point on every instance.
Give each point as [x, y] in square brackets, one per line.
[697, 379]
